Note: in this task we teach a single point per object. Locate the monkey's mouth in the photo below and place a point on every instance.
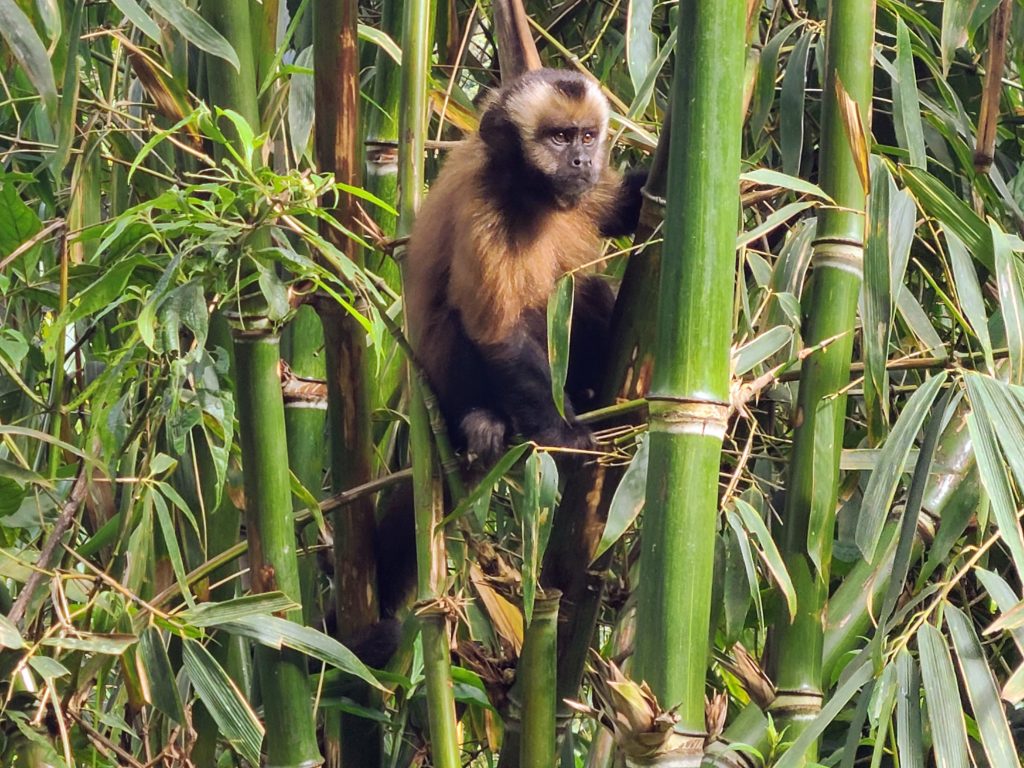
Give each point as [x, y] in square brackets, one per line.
[573, 188]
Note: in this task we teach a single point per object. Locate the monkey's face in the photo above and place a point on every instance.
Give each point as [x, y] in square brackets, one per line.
[560, 120]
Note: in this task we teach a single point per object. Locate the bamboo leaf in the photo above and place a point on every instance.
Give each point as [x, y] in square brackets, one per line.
[791, 106]
[909, 744]
[640, 41]
[383, 40]
[226, 704]
[759, 349]
[769, 552]
[876, 303]
[956, 14]
[214, 614]
[981, 690]
[162, 688]
[29, 51]
[764, 86]
[743, 541]
[882, 484]
[969, 292]
[949, 734]
[937, 200]
[628, 500]
[134, 13]
[540, 489]
[300, 105]
[906, 104]
[1011, 300]
[770, 178]
[776, 219]
[1007, 601]
[559, 333]
[196, 30]
[278, 633]
[856, 132]
[1013, 690]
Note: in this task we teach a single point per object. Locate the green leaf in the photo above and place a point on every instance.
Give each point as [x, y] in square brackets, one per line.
[956, 14]
[882, 484]
[641, 42]
[134, 13]
[30, 53]
[11, 496]
[1011, 300]
[769, 553]
[949, 735]
[759, 349]
[226, 704]
[381, 39]
[278, 633]
[775, 219]
[908, 711]
[981, 690]
[207, 615]
[540, 490]
[275, 293]
[770, 178]
[906, 105]
[936, 199]
[47, 667]
[196, 30]
[503, 465]
[628, 500]
[300, 105]
[559, 332]
[767, 73]
[876, 304]
[162, 686]
[791, 107]
[969, 292]
[10, 637]
[17, 221]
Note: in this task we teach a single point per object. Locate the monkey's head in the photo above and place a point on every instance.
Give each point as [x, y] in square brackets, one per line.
[554, 125]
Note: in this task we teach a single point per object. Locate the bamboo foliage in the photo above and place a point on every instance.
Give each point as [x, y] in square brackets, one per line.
[157, 179]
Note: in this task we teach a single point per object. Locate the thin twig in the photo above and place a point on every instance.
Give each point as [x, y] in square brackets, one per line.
[39, 574]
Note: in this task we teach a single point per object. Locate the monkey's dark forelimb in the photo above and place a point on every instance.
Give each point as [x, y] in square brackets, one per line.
[623, 217]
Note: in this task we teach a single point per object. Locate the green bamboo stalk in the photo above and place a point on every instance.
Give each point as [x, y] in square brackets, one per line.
[290, 738]
[536, 677]
[838, 253]
[429, 512]
[689, 394]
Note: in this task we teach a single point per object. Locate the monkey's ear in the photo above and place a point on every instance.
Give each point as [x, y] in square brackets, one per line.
[497, 130]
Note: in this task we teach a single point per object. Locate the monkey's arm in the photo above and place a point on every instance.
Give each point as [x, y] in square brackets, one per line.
[520, 379]
[621, 213]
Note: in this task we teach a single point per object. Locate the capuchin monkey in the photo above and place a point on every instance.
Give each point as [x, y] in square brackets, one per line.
[519, 204]
[516, 206]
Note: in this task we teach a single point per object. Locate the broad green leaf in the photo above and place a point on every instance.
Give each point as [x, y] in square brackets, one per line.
[249, 606]
[859, 674]
[1011, 300]
[759, 349]
[972, 303]
[646, 89]
[17, 221]
[775, 219]
[956, 14]
[769, 552]
[17, 30]
[11, 496]
[908, 711]
[982, 691]
[300, 105]
[791, 106]
[628, 499]
[381, 39]
[278, 633]
[641, 42]
[936, 199]
[163, 689]
[108, 645]
[196, 30]
[48, 667]
[275, 293]
[876, 304]
[540, 489]
[1013, 689]
[559, 333]
[1010, 606]
[134, 13]
[881, 488]
[170, 535]
[768, 72]
[237, 722]
[906, 105]
[10, 637]
[742, 540]
[771, 178]
[949, 735]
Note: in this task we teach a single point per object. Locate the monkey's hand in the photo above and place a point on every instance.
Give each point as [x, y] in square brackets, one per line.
[575, 436]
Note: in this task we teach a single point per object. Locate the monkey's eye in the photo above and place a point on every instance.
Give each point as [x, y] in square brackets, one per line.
[559, 137]
[588, 137]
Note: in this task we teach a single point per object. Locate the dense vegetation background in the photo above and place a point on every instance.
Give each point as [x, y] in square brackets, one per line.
[204, 390]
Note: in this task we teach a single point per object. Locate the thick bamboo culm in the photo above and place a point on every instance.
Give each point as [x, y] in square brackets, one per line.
[795, 648]
[689, 393]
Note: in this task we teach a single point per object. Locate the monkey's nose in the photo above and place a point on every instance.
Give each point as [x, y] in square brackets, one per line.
[580, 161]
